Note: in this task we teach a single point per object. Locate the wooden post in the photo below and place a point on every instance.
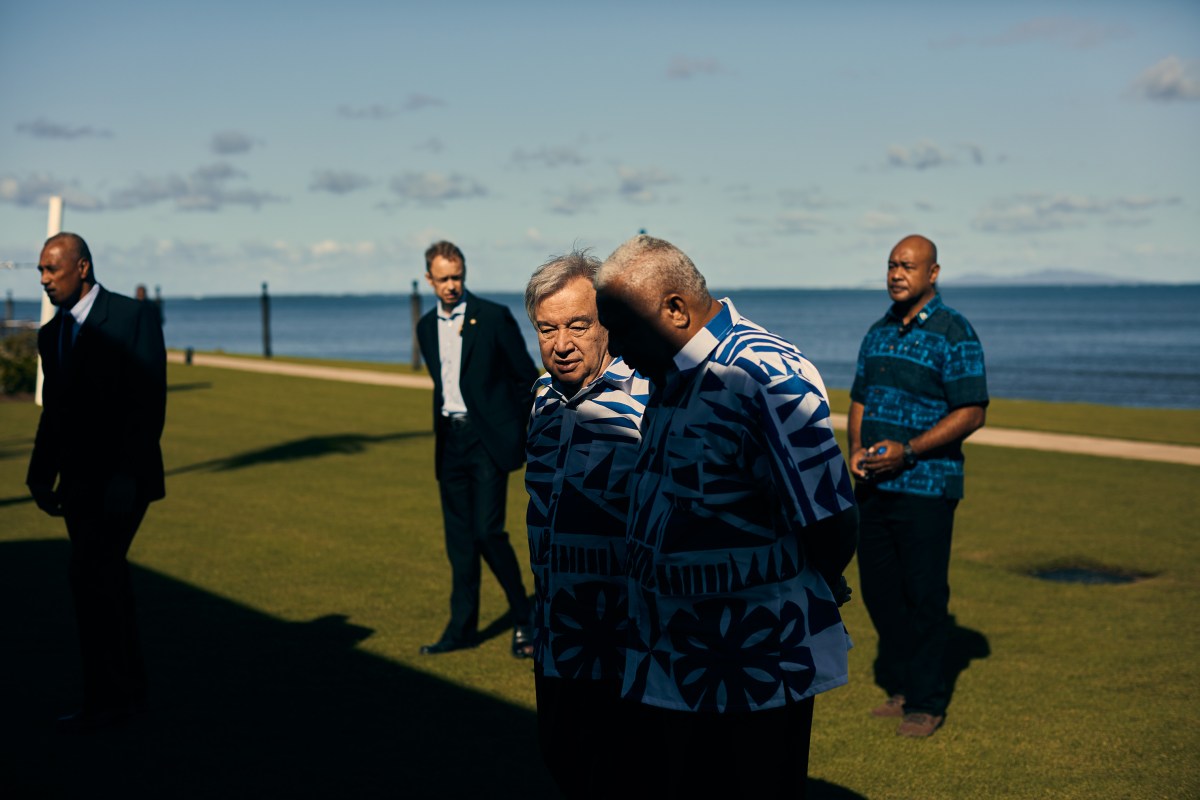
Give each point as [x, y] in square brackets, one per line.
[266, 321]
[415, 305]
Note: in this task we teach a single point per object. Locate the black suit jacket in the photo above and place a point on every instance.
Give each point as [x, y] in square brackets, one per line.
[496, 379]
[103, 416]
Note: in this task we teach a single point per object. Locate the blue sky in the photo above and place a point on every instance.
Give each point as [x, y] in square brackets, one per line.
[206, 147]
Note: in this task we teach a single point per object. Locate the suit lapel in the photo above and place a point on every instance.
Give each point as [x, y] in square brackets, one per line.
[470, 332]
[86, 336]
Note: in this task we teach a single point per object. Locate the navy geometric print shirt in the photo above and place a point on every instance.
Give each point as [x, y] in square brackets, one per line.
[738, 455]
[908, 378]
[580, 452]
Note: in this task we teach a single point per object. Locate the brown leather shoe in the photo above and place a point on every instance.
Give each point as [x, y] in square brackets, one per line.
[919, 726]
[892, 707]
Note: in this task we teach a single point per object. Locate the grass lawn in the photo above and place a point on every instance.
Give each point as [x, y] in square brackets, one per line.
[297, 565]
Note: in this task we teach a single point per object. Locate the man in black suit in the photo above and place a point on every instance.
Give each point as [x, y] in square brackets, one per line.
[97, 463]
[482, 392]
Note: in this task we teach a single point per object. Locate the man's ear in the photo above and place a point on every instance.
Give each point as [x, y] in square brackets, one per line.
[85, 269]
[676, 310]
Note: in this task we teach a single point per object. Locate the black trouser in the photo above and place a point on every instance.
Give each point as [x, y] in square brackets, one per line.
[582, 736]
[759, 754]
[113, 673]
[904, 563]
[474, 495]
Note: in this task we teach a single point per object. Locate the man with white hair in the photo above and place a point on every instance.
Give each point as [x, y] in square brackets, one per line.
[742, 518]
[583, 442]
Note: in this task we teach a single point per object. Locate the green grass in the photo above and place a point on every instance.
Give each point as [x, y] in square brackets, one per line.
[294, 500]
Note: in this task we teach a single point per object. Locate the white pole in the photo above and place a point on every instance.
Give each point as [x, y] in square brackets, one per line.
[53, 226]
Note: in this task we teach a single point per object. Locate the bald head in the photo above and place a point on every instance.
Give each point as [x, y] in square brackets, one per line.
[912, 274]
[646, 265]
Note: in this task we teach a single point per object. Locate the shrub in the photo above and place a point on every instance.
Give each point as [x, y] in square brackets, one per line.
[18, 362]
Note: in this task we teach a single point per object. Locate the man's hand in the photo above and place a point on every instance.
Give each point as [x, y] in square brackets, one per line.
[841, 591]
[856, 463]
[882, 459]
[47, 500]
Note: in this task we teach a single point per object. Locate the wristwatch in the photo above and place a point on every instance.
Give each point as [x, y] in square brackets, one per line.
[910, 456]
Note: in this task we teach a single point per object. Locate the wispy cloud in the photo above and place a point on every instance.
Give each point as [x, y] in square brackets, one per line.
[337, 181]
[1170, 79]
[45, 129]
[1037, 212]
[229, 143]
[922, 155]
[431, 145]
[685, 67]
[548, 156]
[433, 188]
[37, 189]
[415, 101]
[1070, 31]
[791, 223]
[637, 184]
[576, 200]
[205, 189]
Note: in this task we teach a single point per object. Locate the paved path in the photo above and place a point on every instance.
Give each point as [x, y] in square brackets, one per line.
[999, 437]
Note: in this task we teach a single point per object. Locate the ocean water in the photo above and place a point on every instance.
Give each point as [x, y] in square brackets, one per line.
[1128, 346]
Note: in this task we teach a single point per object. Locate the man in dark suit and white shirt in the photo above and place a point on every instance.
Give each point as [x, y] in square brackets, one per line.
[483, 379]
[97, 463]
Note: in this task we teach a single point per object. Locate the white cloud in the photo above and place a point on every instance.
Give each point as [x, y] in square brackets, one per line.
[337, 181]
[637, 184]
[228, 143]
[45, 129]
[37, 189]
[881, 222]
[684, 67]
[432, 188]
[374, 112]
[417, 101]
[431, 145]
[1170, 79]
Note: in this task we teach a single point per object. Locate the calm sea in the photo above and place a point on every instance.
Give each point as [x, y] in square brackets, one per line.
[1132, 346]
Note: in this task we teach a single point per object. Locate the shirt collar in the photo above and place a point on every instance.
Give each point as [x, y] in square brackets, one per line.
[927, 311]
[459, 310]
[700, 346]
[617, 373]
[84, 304]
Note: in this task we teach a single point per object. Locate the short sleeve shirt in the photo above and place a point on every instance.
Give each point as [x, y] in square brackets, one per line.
[910, 376]
[580, 452]
[738, 455]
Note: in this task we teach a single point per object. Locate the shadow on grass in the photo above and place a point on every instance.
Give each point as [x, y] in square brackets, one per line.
[963, 646]
[242, 705]
[308, 447]
[189, 387]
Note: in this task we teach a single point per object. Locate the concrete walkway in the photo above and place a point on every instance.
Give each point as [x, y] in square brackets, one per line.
[998, 437]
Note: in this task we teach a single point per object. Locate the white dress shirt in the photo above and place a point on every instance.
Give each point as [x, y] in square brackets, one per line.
[450, 329]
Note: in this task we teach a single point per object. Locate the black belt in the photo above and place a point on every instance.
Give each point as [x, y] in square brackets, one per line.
[457, 421]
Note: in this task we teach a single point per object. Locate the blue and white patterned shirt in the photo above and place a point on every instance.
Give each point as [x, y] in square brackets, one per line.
[738, 454]
[908, 378]
[580, 452]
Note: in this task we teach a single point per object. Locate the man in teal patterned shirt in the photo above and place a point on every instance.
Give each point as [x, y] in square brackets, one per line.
[919, 391]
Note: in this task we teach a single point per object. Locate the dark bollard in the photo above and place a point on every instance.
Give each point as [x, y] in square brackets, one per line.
[266, 320]
[187, 356]
[415, 305]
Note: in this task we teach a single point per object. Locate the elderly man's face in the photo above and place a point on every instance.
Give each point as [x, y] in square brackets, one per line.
[63, 273]
[573, 343]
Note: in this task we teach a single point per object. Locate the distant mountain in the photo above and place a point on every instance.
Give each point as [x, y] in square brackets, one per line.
[1042, 277]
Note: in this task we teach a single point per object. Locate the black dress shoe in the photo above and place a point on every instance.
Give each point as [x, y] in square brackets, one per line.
[446, 646]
